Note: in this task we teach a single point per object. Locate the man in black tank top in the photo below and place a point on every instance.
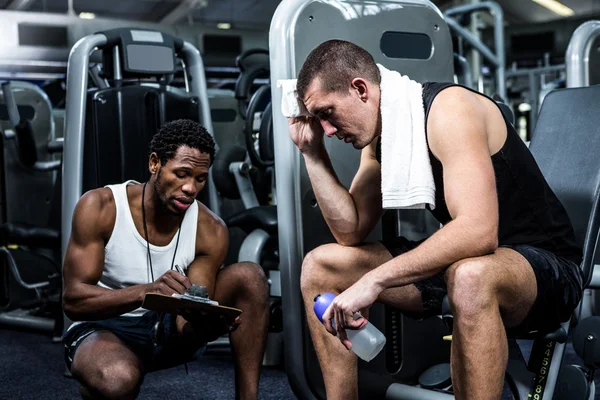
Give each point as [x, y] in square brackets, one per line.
[506, 255]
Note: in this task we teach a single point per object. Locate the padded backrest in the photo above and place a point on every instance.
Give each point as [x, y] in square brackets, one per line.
[228, 124]
[120, 122]
[253, 64]
[566, 145]
[27, 195]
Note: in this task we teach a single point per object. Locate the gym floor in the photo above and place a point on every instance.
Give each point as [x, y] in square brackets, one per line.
[32, 367]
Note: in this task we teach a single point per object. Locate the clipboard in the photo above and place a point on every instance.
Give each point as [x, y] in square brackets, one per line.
[162, 303]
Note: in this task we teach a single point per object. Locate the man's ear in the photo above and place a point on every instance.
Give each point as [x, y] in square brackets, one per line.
[153, 163]
[361, 87]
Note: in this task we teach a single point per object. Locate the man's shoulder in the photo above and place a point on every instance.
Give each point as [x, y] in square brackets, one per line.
[99, 205]
[212, 235]
[452, 99]
[97, 199]
[208, 221]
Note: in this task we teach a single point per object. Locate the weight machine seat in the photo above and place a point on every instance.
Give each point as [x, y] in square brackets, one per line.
[261, 217]
[30, 235]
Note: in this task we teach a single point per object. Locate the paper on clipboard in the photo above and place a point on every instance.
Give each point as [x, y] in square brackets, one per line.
[195, 298]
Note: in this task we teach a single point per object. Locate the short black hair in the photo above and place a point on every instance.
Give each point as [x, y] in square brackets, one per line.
[336, 62]
[182, 132]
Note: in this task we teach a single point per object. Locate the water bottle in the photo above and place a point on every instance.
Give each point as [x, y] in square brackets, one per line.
[367, 342]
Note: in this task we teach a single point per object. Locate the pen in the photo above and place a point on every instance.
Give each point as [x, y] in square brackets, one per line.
[179, 269]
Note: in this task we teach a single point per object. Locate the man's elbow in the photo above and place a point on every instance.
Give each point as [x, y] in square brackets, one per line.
[348, 243]
[70, 312]
[69, 307]
[349, 240]
[489, 242]
[491, 245]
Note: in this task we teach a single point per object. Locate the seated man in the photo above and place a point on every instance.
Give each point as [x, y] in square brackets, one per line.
[506, 255]
[131, 239]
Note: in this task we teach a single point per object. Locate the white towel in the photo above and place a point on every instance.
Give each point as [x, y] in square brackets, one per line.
[291, 105]
[406, 176]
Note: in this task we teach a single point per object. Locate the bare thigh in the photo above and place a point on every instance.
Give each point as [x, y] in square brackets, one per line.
[334, 267]
[506, 275]
[101, 356]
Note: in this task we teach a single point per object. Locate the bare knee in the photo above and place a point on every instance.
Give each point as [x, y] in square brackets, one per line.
[249, 280]
[118, 380]
[317, 268]
[471, 288]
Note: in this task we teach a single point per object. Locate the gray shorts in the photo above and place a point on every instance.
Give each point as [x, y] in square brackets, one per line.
[559, 286]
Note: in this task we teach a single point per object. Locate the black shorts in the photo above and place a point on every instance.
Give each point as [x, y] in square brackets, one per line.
[138, 334]
[559, 287]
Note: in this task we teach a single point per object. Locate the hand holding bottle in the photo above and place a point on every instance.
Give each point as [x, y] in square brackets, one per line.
[363, 338]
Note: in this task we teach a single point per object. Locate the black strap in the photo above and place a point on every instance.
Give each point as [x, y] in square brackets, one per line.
[159, 325]
[148, 241]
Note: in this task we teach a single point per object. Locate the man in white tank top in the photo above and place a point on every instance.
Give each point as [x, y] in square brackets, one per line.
[131, 239]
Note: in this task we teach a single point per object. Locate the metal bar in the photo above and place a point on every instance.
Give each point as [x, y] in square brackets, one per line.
[465, 68]
[398, 391]
[471, 7]
[22, 319]
[117, 73]
[534, 93]
[499, 59]
[19, 5]
[555, 364]
[473, 41]
[241, 173]
[11, 105]
[538, 71]
[186, 79]
[595, 283]
[77, 80]
[474, 56]
[13, 267]
[287, 165]
[193, 60]
[578, 54]
[498, 15]
[98, 80]
[183, 9]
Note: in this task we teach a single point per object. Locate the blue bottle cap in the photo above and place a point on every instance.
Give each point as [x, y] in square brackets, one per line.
[322, 301]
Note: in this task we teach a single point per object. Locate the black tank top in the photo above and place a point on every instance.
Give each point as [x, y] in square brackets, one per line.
[529, 211]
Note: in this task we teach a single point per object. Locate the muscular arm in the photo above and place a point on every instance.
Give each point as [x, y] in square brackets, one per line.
[350, 214]
[459, 140]
[212, 243]
[93, 220]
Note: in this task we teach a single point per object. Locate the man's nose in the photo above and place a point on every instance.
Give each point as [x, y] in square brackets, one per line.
[189, 188]
[329, 129]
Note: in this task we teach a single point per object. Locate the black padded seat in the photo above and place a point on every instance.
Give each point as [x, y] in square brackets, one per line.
[30, 235]
[261, 217]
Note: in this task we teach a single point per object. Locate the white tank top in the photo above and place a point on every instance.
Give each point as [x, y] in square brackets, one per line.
[126, 261]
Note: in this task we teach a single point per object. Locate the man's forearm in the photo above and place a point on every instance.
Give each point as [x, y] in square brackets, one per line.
[336, 203]
[91, 302]
[456, 241]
